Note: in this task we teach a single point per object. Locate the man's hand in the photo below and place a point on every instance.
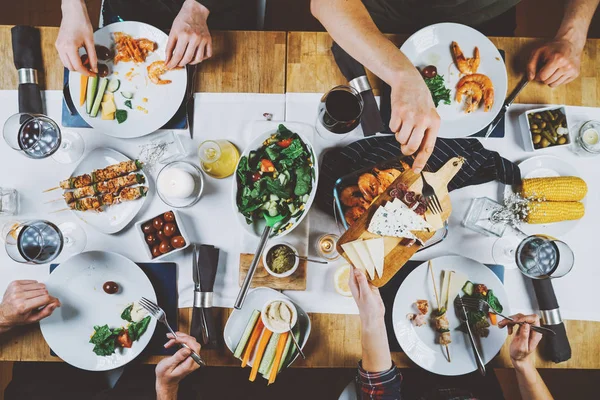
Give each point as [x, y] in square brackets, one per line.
[525, 340]
[555, 63]
[189, 40]
[22, 302]
[414, 117]
[75, 32]
[367, 297]
[170, 371]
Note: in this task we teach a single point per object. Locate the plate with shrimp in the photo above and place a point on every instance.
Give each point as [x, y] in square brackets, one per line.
[465, 73]
[426, 322]
[128, 97]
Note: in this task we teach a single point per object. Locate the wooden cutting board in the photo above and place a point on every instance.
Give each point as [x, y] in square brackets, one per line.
[397, 255]
[296, 281]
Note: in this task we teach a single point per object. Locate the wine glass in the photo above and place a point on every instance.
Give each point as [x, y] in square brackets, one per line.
[40, 242]
[37, 136]
[339, 112]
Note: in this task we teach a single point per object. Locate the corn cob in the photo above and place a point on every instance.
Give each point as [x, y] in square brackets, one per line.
[562, 188]
[544, 212]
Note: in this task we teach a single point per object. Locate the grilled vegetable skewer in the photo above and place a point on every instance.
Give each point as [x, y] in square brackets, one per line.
[109, 186]
[100, 175]
[97, 202]
[441, 321]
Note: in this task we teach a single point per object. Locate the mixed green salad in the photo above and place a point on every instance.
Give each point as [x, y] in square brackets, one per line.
[439, 91]
[276, 180]
[106, 340]
[478, 320]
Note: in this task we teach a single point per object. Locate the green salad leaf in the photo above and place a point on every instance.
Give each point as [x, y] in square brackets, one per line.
[438, 89]
[303, 180]
[137, 329]
[103, 340]
[294, 150]
[493, 301]
[126, 314]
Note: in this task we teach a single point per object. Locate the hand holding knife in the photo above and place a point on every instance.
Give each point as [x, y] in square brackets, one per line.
[509, 100]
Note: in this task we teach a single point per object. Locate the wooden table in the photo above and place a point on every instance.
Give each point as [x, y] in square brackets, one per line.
[276, 62]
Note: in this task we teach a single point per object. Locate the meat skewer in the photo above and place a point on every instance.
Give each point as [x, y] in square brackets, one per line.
[97, 202]
[109, 186]
[100, 175]
[441, 321]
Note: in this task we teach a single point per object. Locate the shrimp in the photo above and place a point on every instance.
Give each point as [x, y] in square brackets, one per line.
[351, 196]
[386, 176]
[353, 214]
[155, 70]
[474, 93]
[465, 65]
[486, 86]
[146, 45]
[369, 186]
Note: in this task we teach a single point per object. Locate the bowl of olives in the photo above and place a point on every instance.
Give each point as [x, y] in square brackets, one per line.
[163, 235]
[544, 128]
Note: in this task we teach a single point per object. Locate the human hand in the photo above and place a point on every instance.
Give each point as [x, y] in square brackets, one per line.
[170, 371]
[525, 340]
[189, 40]
[555, 63]
[75, 32]
[367, 297]
[414, 117]
[21, 304]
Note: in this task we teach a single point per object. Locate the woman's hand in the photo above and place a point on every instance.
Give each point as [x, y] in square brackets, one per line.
[170, 371]
[189, 40]
[367, 297]
[75, 32]
[525, 340]
[22, 304]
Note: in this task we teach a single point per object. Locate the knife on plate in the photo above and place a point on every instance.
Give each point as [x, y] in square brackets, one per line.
[464, 317]
[509, 100]
[205, 262]
[189, 103]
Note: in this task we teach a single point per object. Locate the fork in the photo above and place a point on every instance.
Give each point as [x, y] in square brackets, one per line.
[431, 199]
[483, 306]
[160, 315]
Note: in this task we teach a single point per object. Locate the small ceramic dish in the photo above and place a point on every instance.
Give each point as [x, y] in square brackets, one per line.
[267, 322]
[182, 232]
[179, 202]
[265, 257]
[528, 134]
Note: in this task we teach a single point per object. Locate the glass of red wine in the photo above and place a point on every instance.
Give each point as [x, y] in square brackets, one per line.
[37, 136]
[339, 112]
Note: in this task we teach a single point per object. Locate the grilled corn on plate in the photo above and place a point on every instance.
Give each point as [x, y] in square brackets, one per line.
[545, 212]
[562, 188]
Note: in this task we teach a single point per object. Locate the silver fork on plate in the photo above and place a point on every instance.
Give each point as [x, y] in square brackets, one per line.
[160, 316]
[431, 199]
[484, 306]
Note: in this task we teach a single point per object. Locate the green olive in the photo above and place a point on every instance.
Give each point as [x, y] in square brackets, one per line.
[537, 139]
[562, 140]
[545, 142]
[543, 124]
[537, 116]
[535, 126]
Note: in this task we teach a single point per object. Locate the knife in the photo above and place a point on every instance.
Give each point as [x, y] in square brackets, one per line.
[189, 104]
[480, 365]
[68, 100]
[203, 323]
[509, 100]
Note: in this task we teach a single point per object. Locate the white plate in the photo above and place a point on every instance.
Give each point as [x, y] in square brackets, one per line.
[257, 227]
[255, 300]
[113, 218]
[431, 46]
[163, 100]
[545, 166]
[420, 344]
[77, 283]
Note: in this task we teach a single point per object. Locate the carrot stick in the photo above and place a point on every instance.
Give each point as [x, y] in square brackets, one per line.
[83, 89]
[278, 355]
[260, 351]
[493, 318]
[252, 342]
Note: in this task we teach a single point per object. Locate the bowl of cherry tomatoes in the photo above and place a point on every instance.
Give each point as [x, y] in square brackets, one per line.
[163, 235]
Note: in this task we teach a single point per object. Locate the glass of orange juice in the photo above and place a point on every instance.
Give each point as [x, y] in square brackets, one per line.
[218, 158]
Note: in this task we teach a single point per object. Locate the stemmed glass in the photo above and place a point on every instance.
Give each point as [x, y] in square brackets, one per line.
[37, 136]
[339, 112]
[40, 242]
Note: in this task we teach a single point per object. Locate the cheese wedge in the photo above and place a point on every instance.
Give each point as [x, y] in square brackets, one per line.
[353, 256]
[376, 251]
[365, 257]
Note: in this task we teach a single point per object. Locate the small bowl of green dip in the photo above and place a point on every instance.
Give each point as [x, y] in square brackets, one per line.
[280, 259]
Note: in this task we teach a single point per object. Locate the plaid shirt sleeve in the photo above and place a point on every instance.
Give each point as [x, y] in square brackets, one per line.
[383, 385]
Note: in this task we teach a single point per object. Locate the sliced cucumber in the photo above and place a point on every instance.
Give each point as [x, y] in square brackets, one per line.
[269, 356]
[127, 95]
[92, 85]
[246, 335]
[274, 197]
[101, 88]
[113, 85]
[468, 288]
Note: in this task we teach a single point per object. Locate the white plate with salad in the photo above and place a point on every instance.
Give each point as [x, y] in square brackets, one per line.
[244, 331]
[277, 176]
[432, 46]
[422, 343]
[92, 328]
[126, 103]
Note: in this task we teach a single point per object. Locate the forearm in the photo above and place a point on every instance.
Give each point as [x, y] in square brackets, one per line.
[166, 392]
[531, 385]
[350, 25]
[576, 21]
[375, 350]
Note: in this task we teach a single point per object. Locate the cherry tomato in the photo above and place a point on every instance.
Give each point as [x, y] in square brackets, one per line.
[85, 60]
[256, 177]
[124, 340]
[110, 287]
[151, 239]
[148, 228]
[103, 53]
[266, 165]
[161, 235]
[103, 70]
[285, 142]
[429, 71]
[169, 216]
[158, 223]
[169, 229]
[177, 242]
[156, 251]
[165, 247]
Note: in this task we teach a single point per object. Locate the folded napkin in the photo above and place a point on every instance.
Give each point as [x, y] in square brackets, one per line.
[204, 327]
[388, 294]
[27, 54]
[163, 276]
[481, 165]
[370, 120]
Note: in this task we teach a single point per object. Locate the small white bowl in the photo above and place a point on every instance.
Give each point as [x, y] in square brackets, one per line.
[528, 136]
[265, 320]
[286, 273]
[192, 199]
[178, 220]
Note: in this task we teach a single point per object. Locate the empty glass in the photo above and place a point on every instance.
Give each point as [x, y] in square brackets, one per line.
[339, 112]
[9, 201]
